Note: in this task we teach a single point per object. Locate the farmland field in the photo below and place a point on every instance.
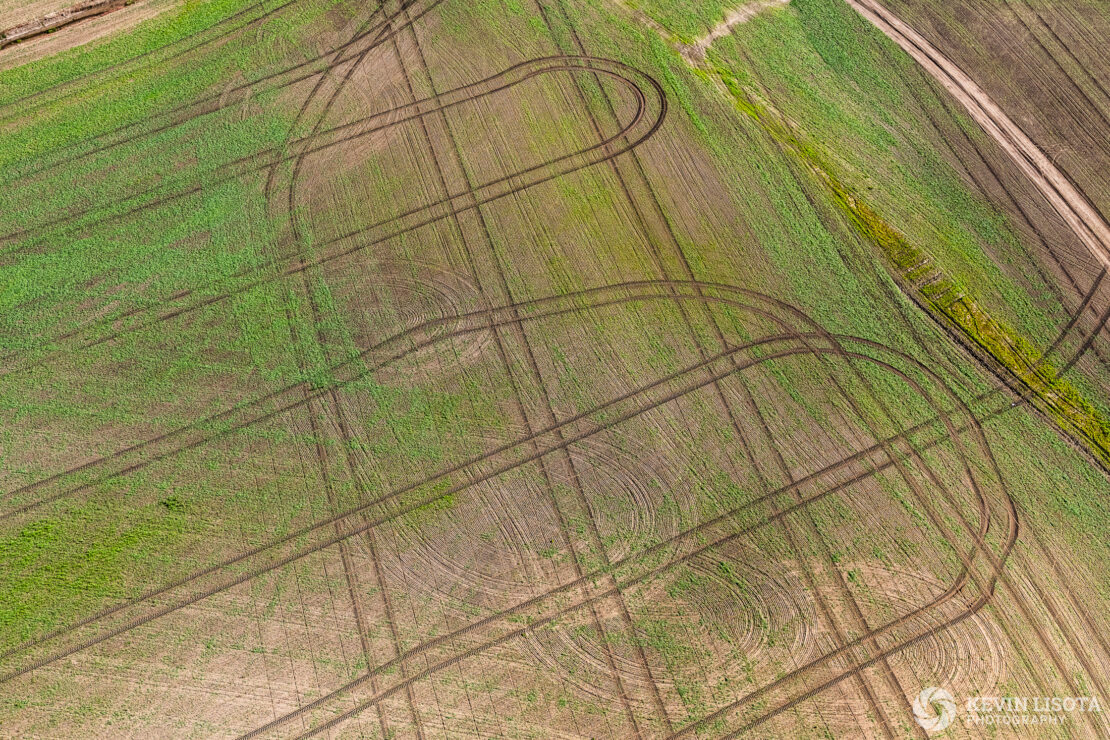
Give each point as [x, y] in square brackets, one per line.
[554, 368]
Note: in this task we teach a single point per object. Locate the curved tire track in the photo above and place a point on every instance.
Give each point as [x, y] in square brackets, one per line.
[647, 92]
[557, 310]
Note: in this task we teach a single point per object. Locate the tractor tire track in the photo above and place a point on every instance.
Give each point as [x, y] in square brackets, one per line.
[268, 158]
[1097, 141]
[381, 231]
[519, 337]
[394, 348]
[1070, 204]
[323, 524]
[456, 658]
[750, 405]
[1066, 199]
[1071, 55]
[209, 104]
[565, 459]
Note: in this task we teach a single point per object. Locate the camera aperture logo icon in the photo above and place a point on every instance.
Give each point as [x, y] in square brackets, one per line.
[934, 709]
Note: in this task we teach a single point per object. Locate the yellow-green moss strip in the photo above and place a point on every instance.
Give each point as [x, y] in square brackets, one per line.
[941, 293]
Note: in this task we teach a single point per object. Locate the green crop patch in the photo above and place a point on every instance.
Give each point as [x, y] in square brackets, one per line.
[535, 368]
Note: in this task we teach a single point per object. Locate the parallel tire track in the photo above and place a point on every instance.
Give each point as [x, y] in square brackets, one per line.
[847, 650]
[319, 141]
[643, 125]
[519, 336]
[21, 105]
[290, 558]
[206, 105]
[1071, 205]
[1068, 201]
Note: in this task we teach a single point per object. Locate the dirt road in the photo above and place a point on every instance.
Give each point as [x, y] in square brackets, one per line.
[1072, 206]
[740, 15]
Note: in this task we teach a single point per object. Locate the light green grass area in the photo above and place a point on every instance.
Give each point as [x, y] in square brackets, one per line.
[866, 106]
[853, 97]
[800, 160]
[685, 19]
[176, 228]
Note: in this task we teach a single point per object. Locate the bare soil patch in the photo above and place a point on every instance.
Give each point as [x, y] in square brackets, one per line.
[71, 27]
[743, 14]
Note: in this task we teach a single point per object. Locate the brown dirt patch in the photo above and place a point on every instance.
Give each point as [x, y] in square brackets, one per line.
[81, 32]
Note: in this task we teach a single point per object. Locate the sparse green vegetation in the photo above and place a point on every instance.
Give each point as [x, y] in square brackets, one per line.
[580, 458]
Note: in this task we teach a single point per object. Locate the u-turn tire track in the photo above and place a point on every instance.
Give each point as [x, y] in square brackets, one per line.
[165, 610]
[851, 646]
[643, 125]
[638, 82]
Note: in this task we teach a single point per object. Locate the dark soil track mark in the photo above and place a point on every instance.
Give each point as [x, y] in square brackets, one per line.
[556, 308]
[552, 439]
[1069, 202]
[659, 235]
[59, 19]
[208, 104]
[848, 650]
[640, 128]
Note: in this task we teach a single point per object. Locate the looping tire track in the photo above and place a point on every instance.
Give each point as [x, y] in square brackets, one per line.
[558, 309]
[515, 319]
[846, 650]
[639, 83]
[635, 132]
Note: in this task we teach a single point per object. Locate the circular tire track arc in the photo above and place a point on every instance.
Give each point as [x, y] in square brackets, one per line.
[959, 584]
[815, 337]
